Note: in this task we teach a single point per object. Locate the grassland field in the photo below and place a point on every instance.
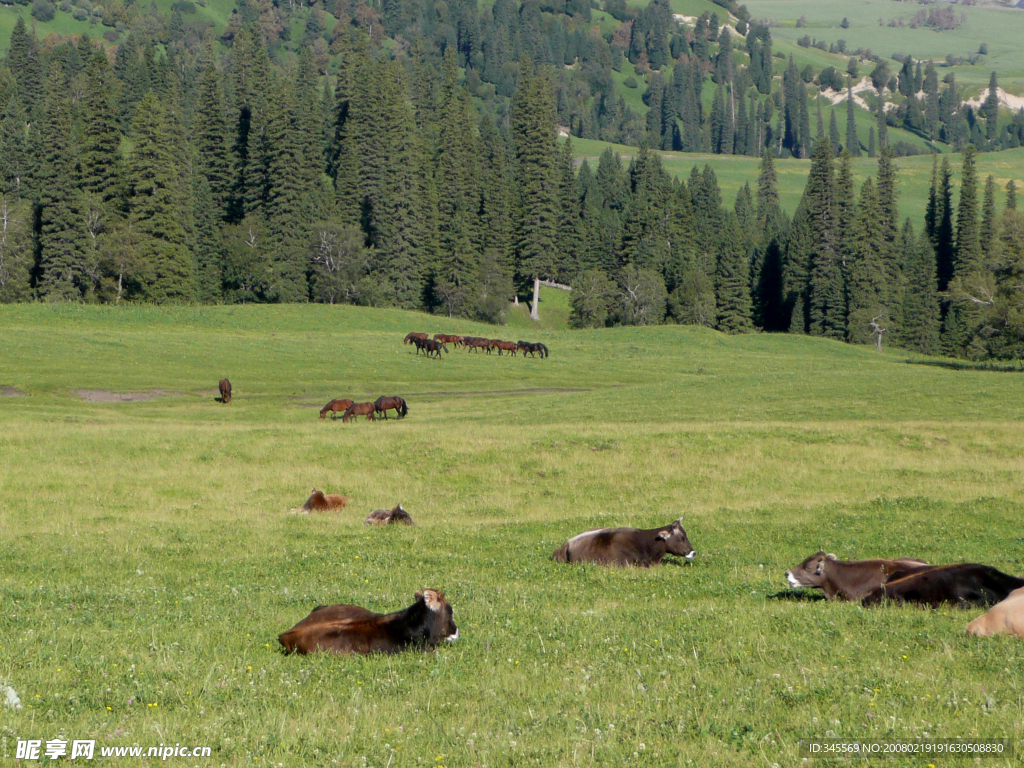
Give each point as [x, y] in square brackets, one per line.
[147, 561]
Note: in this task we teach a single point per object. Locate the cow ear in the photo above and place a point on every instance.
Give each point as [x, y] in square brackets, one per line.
[432, 600]
[830, 556]
[664, 535]
[419, 596]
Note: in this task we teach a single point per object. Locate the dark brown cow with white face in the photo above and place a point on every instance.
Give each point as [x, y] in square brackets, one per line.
[848, 579]
[626, 546]
[351, 629]
[960, 585]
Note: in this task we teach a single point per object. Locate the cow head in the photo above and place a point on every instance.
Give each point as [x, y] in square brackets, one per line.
[811, 572]
[675, 540]
[443, 621]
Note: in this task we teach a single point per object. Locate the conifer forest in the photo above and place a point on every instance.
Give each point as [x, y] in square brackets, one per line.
[420, 156]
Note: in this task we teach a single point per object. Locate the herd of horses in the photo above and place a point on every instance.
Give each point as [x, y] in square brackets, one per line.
[351, 409]
[434, 346]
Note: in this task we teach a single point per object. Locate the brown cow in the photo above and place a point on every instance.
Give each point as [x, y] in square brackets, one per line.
[351, 629]
[321, 502]
[413, 336]
[389, 517]
[962, 585]
[1005, 618]
[848, 579]
[360, 409]
[225, 390]
[626, 546]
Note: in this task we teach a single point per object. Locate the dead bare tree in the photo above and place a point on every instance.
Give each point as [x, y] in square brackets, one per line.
[878, 331]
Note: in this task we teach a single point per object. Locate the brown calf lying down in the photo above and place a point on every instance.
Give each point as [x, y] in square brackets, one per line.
[848, 579]
[351, 629]
[225, 390]
[1005, 618]
[626, 546]
[965, 584]
[321, 502]
[389, 517]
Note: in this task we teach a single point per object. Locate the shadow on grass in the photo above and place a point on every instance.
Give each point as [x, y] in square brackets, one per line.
[962, 365]
[798, 596]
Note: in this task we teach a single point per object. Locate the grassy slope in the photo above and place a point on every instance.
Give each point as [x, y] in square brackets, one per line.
[148, 564]
[733, 171]
[1001, 28]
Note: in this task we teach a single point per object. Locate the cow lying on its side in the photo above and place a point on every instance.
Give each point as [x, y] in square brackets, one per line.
[351, 629]
[848, 579]
[626, 546]
[1005, 618]
[321, 502]
[965, 584]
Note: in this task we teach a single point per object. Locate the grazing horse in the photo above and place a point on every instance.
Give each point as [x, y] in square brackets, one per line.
[475, 342]
[532, 347]
[413, 336]
[383, 404]
[508, 346]
[430, 346]
[225, 390]
[359, 409]
[335, 407]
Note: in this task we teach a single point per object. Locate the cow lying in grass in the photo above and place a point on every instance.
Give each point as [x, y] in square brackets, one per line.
[396, 516]
[1005, 618]
[321, 502]
[626, 546]
[351, 629]
[961, 585]
[848, 579]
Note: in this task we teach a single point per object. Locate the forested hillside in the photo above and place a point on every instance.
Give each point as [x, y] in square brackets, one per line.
[407, 155]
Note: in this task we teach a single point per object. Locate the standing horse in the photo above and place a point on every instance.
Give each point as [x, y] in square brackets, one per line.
[413, 336]
[359, 409]
[335, 407]
[225, 390]
[431, 346]
[508, 346]
[383, 404]
[531, 347]
[475, 342]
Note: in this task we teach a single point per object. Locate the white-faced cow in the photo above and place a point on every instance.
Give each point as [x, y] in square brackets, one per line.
[848, 579]
[351, 629]
[626, 546]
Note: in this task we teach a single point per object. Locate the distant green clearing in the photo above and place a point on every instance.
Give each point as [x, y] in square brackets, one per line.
[733, 171]
[149, 563]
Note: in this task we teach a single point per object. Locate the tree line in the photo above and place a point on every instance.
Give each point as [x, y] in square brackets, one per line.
[132, 180]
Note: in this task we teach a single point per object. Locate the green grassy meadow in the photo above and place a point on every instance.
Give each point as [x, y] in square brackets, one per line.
[148, 563]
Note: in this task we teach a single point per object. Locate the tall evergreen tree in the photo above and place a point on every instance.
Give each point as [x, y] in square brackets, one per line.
[833, 134]
[158, 204]
[942, 236]
[988, 233]
[868, 289]
[25, 64]
[967, 253]
[732, 282]
[852, 142]
[99, 161]
[212, 141]
[827, 305]
[920, 331]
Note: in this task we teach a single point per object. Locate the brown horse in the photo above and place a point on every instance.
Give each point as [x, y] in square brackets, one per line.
[475, 342]
[335, 407]
[508, 346]
[359, 409]
[413, 336]
[384, 404]
[225, 390]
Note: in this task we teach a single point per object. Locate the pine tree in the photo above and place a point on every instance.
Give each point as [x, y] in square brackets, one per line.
[796, 270]
[212, 143]
[882, 126]
[99, 161]
[1011, 195]
[533, 132]
[24, 61]
[15, 153]
[942, 239]
[868, 288]
[833, 134]
[988, 233]
[920, 331]
[990, 109]
[827, 305]
[871, 141]
[61, 268]
[967, 252]
[732, 283]
[158, 204]
[209, 268]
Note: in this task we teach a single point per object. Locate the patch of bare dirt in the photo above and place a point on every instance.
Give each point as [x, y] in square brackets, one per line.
[106, 396]
[12, 392]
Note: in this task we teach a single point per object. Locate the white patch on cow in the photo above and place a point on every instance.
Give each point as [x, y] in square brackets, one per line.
[452, 638]
[11, 700]
[792, 580]
[691, 555]
[583, 535]
[430, 597]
